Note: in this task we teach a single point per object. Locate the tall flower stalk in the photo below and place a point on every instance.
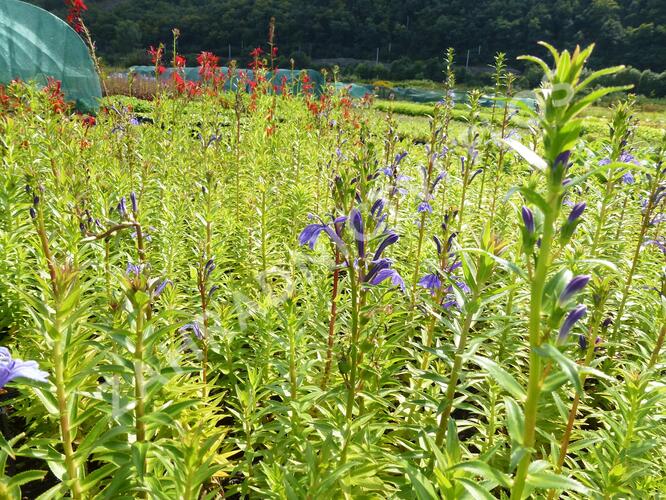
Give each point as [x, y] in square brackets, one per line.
[498, 77]
[655, 197]
[65, 293]
[621, 129]
[559, 103]
[589, 345]
[475, 275]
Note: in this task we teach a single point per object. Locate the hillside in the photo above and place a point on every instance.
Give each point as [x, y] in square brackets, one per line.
[414, 29]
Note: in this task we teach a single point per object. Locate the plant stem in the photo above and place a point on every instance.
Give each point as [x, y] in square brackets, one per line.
[263, 233]
[602, 217]
[589, 355]
[455, 374]
[534, 384]
[630, 277]
[331, 321]
[657, 348]
[353, 347]
[139, 389]
[417, 259]
[65, 424]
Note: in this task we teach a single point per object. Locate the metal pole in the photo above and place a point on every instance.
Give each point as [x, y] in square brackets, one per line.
[467, 63]
[229, 51]
[377, 60]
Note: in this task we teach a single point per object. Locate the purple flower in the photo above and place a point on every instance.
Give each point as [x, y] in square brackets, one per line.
[439, 244]
[11, 369]
[628, 158]
[604, 161]
[658, 243]
[377, 208]
[461, 285]
[385, 274]
[209, 267]
[160, 288]
[359, 236]
[390, 239]
[134, 121]
[628, 178]
[424, 207]
[528, 219]
[582, 342]
[572, 318]
[135, 207]
[437, 179]
[476, 172]
[399, 157]
[562, 159]
[658, 219]
[577, 211]
[376, 266]
[194, 328]
[122, 209]
[311, 232]
[431, 282]
[33, 213]
[133, 270]
[574, 286]
[212, 290]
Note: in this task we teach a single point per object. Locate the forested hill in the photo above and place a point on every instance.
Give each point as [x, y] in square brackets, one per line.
[626, 31]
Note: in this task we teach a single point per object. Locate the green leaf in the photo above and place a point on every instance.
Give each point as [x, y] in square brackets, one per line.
[484, 470]
[569, 368]
[48, 399]
[421, 486]
[501, 376]
[528, 155]
[515, 420]
[475, 490]
[5, 447]
[28, 476]
[550, 480]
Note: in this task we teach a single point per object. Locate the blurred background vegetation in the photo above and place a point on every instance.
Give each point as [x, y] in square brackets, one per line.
[390, 39]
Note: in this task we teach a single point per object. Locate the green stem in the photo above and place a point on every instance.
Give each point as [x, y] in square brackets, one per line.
[65, 424]
[139, 386]
[353, 347]
[331, 321]
[630, 277]
[602, 218]
[534, 383]
[417, 260]
[455, 374]
[657, 348]
[263, 233]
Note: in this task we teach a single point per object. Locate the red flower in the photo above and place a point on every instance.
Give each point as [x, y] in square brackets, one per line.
[161, 69]
[180, 61]
[256, 52]
[179, 81]
[55, 95]
[274, 52]
[208, 65]
[89, 121]
[75, 8]
[156, 53]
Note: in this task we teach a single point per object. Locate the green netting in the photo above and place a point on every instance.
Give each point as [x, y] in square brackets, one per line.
[292, 78]
[424, 96]
[35, 45]
[355, 90]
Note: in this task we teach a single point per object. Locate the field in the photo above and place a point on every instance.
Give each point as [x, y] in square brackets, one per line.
[252, 295]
